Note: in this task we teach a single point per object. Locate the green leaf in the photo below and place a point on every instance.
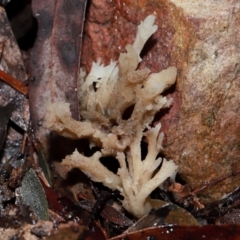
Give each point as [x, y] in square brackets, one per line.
[33, 195]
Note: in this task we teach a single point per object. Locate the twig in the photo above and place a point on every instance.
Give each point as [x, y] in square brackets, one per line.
[13, 82]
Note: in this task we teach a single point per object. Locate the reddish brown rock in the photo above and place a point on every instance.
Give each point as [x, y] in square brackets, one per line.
[202, 40]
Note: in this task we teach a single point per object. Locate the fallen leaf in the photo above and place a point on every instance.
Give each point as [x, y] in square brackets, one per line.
[210, 232]
[33, 195]
[55, 58]
[167, 215]
[5, 113]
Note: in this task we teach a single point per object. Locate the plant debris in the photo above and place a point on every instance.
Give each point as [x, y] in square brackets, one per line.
[13, 82]
[33, 195]
[5, 113]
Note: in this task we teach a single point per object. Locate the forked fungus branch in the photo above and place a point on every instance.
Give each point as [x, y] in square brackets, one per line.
[104, 95]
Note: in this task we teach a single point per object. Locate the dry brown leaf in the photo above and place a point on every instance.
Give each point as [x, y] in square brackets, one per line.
[55, 57]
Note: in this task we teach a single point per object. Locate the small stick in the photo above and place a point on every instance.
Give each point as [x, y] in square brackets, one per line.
[13, 82]
[25, 135]
[2, 45]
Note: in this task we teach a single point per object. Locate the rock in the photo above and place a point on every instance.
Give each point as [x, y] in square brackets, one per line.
[202, 129]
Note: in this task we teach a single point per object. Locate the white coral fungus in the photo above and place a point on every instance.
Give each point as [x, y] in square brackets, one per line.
[104, 95]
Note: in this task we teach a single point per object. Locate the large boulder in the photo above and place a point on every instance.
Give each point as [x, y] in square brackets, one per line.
[202, 39]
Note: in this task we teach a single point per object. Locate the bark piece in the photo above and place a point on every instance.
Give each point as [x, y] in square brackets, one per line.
[202, 41]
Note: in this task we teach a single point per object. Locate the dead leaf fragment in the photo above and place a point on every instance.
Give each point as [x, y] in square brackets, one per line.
[55, 59]
[33, 195]
[5, 113]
